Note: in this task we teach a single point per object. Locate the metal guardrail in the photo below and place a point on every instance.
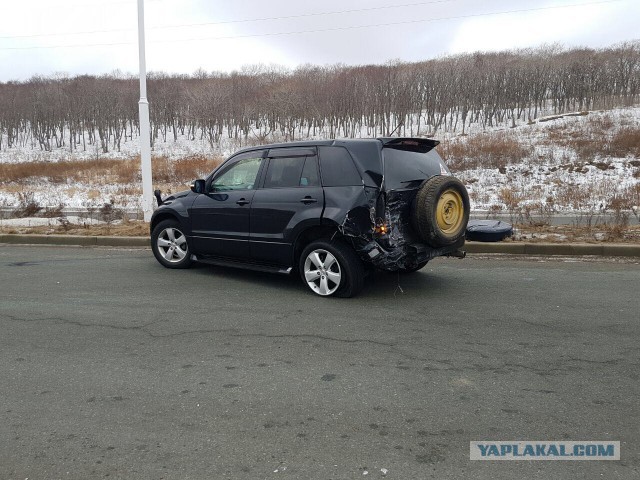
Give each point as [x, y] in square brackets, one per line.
[576, 218]
[132, 214]
[510, 248]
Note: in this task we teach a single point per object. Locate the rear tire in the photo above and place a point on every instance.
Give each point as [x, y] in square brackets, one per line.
[169, 245]
[331, 268]
[441, 211]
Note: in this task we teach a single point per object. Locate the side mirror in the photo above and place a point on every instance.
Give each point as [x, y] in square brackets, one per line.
[158, 195]
[197, 186]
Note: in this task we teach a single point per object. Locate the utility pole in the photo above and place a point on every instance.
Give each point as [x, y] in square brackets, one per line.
[145, 130]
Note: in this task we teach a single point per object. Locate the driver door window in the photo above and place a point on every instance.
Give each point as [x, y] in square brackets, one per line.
[240, 176]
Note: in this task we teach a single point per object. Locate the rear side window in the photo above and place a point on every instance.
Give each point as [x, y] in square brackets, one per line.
[292, 172]
[310, 177]
[337, 167]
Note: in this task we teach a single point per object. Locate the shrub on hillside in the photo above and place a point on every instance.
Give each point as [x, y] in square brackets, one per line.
[625, 142]
[27, 206]
[484, 151]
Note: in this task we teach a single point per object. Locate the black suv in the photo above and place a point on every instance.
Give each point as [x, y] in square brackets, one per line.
[330, 210]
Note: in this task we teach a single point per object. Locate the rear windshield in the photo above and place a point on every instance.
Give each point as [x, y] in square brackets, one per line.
[404, 168]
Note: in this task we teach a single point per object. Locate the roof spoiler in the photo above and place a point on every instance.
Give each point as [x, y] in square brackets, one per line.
[422, 145]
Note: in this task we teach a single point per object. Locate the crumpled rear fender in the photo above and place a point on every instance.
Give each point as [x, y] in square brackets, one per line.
[400, 248]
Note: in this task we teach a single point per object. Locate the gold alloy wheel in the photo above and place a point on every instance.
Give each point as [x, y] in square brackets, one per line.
[450, 212]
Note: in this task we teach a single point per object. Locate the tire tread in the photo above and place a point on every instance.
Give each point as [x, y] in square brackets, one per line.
[423, 215]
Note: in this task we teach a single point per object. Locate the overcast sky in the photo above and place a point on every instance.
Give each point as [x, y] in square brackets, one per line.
[45, 37]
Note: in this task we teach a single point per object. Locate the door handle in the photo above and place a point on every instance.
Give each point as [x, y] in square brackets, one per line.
[306, 200]
[242, 201]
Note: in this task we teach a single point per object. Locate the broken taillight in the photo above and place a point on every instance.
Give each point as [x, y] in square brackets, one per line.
[381, 229]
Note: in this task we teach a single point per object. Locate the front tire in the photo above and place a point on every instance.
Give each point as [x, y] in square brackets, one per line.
[169, 245]
[331, 268]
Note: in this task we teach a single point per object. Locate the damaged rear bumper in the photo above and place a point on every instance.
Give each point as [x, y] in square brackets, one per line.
[406, 256]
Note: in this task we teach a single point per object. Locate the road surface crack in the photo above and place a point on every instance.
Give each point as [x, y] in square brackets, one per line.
[318, 337]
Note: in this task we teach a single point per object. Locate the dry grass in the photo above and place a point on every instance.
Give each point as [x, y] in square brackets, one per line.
[27, 205]
[578, 197]
[131, 228]
[108, 171]
[512, 200]
[596, 139]
[602, 233]
[625, 142]
[495, 150]
[633, 195]
[587, 201]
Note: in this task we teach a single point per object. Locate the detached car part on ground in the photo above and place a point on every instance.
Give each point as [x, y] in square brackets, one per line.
[330, 210]
[488, 230]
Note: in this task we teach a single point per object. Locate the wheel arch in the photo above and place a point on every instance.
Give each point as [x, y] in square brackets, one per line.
[162, 216]
[310, 234]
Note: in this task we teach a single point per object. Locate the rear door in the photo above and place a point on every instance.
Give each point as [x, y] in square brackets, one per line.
[221, 216]
[289, 200]
[343, 189]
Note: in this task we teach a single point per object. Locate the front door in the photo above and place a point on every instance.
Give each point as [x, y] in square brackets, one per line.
[221, 216]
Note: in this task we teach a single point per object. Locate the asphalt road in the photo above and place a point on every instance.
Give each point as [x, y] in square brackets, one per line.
[112, 366]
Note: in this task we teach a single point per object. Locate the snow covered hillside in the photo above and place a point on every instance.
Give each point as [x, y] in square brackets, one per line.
[584, 161]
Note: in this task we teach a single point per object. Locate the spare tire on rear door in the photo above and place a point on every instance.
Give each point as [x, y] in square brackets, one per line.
[441, 211]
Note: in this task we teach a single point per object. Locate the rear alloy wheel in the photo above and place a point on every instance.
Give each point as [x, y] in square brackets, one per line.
[331, 269]
[322, 272]
[170, 245]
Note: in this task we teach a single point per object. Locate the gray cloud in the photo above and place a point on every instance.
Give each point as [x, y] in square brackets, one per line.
[400, 35]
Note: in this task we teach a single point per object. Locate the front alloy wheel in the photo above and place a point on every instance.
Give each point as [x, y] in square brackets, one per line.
[170, 245]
